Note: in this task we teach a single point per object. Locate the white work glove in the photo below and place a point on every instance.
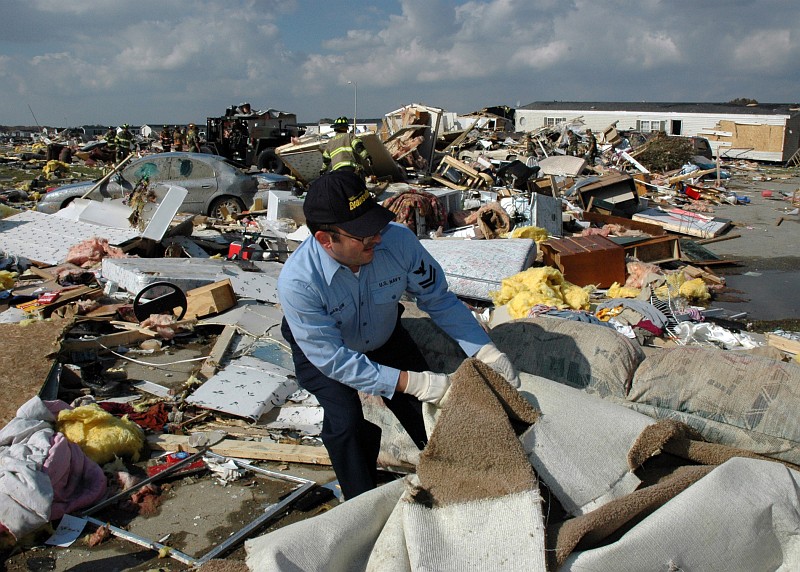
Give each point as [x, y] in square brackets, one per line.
[427, 386]
[498, 361]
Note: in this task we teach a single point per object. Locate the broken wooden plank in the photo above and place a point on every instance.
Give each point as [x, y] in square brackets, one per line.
[692, 175]
[717, 239]
[708, 277]
[783, 344]
[257, 450]
[70, 295]
[211, 365]
[112, 341]
[42, 273]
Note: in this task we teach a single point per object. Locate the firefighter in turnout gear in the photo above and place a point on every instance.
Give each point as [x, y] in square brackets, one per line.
[345, 150]
[591, 152]
[178, 139]
[111, 142]
[124, 142]
[192, 139]
[166, 139]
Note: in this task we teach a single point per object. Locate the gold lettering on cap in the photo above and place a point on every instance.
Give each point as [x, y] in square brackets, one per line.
[356, 202]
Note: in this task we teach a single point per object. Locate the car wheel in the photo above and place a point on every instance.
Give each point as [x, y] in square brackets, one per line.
[270, 161]
[233, 205]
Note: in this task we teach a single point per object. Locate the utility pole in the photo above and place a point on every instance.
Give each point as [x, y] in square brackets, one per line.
[355, 103]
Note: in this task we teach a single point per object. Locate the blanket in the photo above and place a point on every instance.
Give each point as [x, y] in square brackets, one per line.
[42, 475]
[408, 204]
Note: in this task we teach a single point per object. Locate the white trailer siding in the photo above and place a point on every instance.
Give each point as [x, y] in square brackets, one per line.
[728, 142]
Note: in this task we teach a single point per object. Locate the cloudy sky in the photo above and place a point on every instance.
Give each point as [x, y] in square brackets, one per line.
[75, 62]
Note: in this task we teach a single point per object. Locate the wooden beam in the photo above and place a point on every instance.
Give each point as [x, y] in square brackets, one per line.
[258, 450]
[717, 238]
[692, 175]
[783, 344]
[211, 365]
[112, 341]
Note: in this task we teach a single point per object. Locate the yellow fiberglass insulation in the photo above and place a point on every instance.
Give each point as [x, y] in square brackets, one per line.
[7, 279]
[695, 290]
[534, 232]
[53, 166]
[543, 285]
[674, 281]
[618, 291]
[101, 435]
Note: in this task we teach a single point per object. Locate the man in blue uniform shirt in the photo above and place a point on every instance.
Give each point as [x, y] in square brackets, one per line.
[340, 293]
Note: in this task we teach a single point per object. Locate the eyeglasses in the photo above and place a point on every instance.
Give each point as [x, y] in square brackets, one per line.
[365, 241]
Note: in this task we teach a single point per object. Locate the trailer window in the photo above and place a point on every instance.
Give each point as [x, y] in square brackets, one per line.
[553, 121]
[647, 125]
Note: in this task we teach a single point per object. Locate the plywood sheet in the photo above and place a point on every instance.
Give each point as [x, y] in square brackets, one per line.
[562, 165]
[25, 361]
[767, 138]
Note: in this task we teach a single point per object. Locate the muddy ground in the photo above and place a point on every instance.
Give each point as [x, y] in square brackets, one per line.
[762, 246]
[197, 514]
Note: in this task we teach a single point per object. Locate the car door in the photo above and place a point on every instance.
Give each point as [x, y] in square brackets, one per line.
[198, 178]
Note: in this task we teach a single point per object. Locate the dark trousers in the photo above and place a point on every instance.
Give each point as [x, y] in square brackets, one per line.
[353, 442]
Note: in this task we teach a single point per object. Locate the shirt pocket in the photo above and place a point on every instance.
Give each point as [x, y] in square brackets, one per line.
[383, 293]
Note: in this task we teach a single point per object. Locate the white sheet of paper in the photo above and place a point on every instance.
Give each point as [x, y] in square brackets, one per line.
[68, 531]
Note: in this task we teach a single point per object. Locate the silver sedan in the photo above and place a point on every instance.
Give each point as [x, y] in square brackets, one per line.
[212, 183]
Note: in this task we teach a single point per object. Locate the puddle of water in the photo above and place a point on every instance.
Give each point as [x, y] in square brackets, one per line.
[767, 295]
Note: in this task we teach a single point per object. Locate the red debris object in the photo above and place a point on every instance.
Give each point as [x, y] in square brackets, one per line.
[168, 460]
[155, 418]
[49, 297]
[692, 193]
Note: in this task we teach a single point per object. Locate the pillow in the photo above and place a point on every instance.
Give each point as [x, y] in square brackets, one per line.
[594, 358]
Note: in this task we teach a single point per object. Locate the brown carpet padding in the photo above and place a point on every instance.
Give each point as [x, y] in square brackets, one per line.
[587, 531]
[677, 439]
[474, 451]
[683, 441]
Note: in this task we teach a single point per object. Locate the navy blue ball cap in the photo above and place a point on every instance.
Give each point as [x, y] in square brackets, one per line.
[341, 198]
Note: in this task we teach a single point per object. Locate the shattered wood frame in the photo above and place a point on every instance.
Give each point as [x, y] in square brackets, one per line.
[305, 486]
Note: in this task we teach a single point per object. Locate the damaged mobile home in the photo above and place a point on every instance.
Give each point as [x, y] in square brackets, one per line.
[152, 400]
[756, 132]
